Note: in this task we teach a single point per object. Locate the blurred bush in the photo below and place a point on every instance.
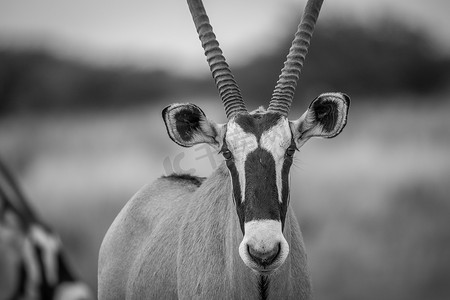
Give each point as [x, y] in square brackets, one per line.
[382, 59]
[36, 80]
[385, 59]
[400, 252]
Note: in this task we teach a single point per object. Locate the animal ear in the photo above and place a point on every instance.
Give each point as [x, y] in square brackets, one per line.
[325, 117]
[187, 125]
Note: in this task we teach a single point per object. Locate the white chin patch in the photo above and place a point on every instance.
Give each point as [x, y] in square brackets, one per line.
[73, 291]
[263, 236]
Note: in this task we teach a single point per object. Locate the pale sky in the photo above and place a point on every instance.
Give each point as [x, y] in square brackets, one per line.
[161, 33]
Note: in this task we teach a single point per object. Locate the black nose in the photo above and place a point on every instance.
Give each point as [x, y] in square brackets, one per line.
[265, 258]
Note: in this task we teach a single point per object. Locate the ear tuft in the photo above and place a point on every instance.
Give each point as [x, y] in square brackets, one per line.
[187, 125]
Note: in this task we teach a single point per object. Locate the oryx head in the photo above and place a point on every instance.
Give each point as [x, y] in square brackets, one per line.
[258, 147]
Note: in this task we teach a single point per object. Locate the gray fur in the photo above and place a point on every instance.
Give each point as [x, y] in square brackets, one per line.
[176, 240]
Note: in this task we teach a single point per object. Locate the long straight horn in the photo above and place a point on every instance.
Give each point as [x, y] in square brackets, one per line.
[228, 89]
[284, 90]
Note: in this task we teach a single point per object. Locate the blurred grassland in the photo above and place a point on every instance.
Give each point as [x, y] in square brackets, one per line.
[373, 203]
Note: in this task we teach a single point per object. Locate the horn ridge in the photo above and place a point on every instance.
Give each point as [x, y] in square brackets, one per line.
[284, 91]
[220, 70]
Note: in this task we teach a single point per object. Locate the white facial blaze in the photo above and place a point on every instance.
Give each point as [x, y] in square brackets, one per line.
[276, 140]
[240, 143]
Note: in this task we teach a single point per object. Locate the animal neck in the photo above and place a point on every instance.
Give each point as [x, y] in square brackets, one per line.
[208, 261]
[208, 257]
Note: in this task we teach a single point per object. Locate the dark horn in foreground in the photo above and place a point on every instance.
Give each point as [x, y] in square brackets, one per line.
[33, 262]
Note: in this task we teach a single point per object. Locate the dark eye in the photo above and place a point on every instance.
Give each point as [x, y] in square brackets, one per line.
[227, 154]
[290, 151]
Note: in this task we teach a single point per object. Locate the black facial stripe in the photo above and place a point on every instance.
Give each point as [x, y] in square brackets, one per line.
[285, 187]
[237, 194]
[261, 196]
[257, 124]
[261, 193]
[287, 163]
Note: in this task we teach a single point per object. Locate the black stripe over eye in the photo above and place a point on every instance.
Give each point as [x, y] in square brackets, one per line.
[290, 151]
[227, 154]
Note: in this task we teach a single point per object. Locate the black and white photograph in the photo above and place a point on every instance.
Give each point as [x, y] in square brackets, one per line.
[240, 149]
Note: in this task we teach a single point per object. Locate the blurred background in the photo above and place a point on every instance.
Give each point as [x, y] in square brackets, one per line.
[83, 83]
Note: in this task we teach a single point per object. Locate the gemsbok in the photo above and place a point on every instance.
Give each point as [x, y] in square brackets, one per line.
[32, 261]
[233, 234]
